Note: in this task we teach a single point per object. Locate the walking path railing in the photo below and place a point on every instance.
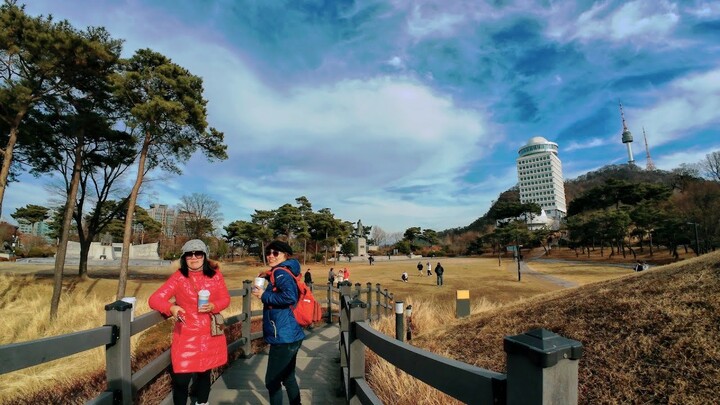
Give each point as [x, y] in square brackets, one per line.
[541, 366]
[122, 383]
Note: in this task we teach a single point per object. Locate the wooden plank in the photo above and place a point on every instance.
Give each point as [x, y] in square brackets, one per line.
[17, 356]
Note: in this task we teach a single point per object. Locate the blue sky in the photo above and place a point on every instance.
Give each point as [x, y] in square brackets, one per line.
[410, 113]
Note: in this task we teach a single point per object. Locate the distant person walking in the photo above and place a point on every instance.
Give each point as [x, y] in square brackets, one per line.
[439, 273]
[420, 268]
[429, 269]
[346, 274]
[331, 276]
[308, 277]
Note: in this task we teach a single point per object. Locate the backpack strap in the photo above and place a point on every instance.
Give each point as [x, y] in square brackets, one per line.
[297, 279]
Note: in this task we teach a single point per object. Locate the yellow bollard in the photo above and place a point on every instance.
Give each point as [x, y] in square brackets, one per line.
[462, 303]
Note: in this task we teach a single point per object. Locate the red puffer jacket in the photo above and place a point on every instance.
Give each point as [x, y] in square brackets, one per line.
[193, 348]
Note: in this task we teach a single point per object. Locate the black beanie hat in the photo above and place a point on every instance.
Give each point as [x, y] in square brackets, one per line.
[279, 246]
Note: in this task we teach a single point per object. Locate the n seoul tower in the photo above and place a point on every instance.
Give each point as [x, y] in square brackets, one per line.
[627, 138]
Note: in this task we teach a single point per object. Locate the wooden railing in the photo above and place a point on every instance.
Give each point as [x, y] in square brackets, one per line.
[122, 383]
[542, 367]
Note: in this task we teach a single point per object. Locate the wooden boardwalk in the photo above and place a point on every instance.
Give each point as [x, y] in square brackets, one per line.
[318, 374]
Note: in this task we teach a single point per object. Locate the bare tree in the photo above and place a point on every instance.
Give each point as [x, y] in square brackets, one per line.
[201, 214]
[394, 237]
[379, 236]
[711, 165]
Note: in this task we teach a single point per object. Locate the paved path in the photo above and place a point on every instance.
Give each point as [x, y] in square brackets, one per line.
[318, 372]
[526, 270]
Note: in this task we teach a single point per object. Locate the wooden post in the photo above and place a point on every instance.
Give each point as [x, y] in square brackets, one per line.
[369, 302]
[246, 324]
[387, 301]
[329, 302]
[356, 360]
[117, 354]
[377, 301]
[542, 368]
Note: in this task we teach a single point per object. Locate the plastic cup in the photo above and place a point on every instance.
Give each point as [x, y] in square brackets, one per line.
[132, 301]
[203, 297]
[259, 282]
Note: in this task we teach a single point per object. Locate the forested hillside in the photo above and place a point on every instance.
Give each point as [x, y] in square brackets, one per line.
[576, 187]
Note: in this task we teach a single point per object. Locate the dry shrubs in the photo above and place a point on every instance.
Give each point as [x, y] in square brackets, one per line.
[394, 386]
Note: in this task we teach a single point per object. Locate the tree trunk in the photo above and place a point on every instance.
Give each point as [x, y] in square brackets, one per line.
[8, 155]
[304, 251]
[64, 237]
[84, 253]
[127, 231]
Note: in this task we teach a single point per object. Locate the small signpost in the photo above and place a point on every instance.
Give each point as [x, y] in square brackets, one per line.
[462, 303]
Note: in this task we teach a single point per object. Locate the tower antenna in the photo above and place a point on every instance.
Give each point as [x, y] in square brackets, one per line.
[649, 163]
[627, 137]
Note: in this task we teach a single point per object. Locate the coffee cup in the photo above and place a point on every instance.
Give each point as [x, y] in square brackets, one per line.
[203, 297]
[260, 282]
[132, 301]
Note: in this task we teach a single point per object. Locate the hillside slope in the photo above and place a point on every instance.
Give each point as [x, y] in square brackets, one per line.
[650, 337]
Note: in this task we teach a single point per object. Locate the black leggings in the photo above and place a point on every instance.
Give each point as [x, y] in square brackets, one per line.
[201, 387]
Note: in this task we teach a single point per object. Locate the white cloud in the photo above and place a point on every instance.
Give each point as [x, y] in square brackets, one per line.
[642, 20]
[591, 143]
[704, 9]
[688, 103]
[396, 62]
[688, 156]
[437, 23]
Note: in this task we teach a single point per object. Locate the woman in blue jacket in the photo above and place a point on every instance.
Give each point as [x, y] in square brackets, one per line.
[280, 329]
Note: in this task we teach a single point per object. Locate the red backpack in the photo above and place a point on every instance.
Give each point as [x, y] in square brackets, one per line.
[307, 310]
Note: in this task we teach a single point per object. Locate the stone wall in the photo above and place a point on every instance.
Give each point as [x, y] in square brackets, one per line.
[98, 251]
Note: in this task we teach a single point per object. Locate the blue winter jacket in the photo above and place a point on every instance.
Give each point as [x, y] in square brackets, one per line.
[279, 324]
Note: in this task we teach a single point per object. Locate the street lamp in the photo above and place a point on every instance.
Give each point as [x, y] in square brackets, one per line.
[697, 240]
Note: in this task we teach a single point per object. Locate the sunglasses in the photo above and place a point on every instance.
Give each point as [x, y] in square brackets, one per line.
[197, 253]
[272, 253]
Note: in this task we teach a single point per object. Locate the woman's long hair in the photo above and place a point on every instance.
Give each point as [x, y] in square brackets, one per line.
[209, 267]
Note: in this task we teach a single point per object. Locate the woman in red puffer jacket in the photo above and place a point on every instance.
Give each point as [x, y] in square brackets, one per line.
[193, 349]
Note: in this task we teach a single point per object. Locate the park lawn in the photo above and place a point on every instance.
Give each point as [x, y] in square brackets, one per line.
[482, 277]
[580, 273]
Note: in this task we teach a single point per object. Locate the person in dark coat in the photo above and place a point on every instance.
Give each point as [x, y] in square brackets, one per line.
[308, 277]
[439, 273]
[280, 329]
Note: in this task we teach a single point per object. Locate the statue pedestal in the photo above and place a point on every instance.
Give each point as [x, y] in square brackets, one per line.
[362, 247]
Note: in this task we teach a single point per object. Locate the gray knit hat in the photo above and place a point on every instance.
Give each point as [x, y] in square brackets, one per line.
[195, 245]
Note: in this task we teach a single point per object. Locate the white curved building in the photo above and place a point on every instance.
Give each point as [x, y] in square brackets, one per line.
[540, 177]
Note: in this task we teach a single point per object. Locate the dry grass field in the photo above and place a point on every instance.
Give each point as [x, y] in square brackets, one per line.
[498, 301]
[649, 337]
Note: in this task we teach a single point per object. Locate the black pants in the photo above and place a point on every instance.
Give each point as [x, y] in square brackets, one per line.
[201, 387]
[281, 371]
